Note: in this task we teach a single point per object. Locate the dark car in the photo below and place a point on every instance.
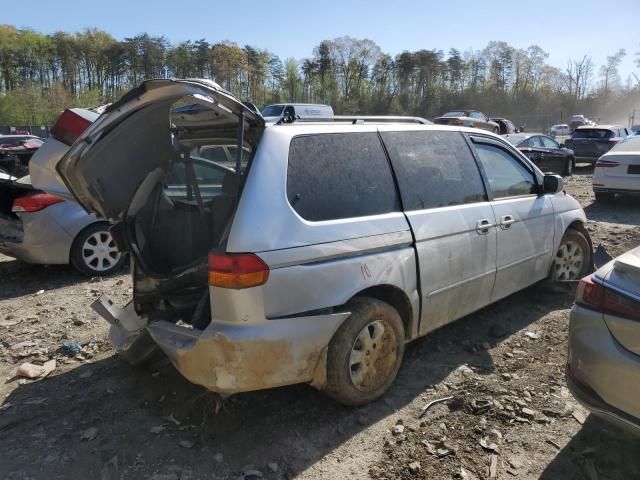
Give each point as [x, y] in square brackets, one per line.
[468, 118]
[15, 153]
[590, 143]
[545, 152]
[506, 126]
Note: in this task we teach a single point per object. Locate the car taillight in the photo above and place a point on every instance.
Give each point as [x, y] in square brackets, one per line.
[596, 296]
[237, 270]
[606, 164]
[69, 126]
[35, 203]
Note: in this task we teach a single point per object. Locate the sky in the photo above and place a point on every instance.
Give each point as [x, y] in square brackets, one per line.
[563, 28]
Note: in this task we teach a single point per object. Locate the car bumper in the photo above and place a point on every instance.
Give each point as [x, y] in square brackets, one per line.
[37, 239]
[621, 191]
[587, 158]
[601, 374]
[232, 357]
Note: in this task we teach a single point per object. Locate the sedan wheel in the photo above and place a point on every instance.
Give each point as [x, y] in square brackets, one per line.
[94, 251]
[568, 168]
[573, 258]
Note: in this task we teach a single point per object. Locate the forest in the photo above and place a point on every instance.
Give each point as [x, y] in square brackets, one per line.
[41, 74]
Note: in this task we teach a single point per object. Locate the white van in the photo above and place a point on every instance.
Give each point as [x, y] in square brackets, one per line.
[288, 112]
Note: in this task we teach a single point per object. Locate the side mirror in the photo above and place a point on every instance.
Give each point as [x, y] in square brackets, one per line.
[562, 145]
[552, 184]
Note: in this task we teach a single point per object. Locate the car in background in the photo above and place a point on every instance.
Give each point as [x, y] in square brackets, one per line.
[547, 154]
[603, 364]
[560, 129]
[468, 118]
[506, 126]
[289, 112]
[618, 170]
[16, 151]
[42, 228]
[590, 143]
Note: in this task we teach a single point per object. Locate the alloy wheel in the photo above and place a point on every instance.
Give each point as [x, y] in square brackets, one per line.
[569, 261]
[373, 356]
[99, 252]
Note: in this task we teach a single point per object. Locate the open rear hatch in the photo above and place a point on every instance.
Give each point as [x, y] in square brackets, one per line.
[165, 165]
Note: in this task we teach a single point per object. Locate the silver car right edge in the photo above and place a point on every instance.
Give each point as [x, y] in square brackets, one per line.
[323, 250]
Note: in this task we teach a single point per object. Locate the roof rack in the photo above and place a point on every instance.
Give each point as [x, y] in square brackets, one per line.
[361, 119]
[380, 118]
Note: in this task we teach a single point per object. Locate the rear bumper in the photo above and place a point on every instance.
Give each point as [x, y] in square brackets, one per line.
[232, 357]
[601, 374]
[622, 191]
[38, 238]
[587, 158]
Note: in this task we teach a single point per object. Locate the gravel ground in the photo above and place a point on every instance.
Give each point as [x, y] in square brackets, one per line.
[510, 415]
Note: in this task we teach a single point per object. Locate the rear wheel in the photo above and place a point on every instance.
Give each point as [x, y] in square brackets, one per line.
[365, 353]
[573, 258]
[94, 251]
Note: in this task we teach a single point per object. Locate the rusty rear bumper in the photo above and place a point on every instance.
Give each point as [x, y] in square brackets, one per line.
[237, 357]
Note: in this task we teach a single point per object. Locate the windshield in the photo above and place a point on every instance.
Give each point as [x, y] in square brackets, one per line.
[272, 111]
[515, 140]
[596, 133]
[455, 114]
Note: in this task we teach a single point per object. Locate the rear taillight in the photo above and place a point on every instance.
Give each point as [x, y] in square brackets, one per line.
[237, 270]
[606, 164]
[596, 296]
[34, 203]
[69, 126]
[614, 140]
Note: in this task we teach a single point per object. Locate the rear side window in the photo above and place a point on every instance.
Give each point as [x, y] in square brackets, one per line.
[596, 133]
[434, 169]
[341, 175]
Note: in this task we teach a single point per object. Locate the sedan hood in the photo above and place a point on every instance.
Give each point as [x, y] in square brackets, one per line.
[133, 137]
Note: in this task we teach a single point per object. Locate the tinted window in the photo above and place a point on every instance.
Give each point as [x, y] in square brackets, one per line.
[434, 169]
[335, 176]
[592, 133]
[506, 175]
[272, 111]
[549, 143]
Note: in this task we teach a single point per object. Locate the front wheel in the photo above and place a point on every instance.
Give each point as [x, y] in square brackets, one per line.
[94, 251]
[365, 354]
[573, 258]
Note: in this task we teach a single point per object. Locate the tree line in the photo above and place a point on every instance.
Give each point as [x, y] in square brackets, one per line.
[40, 74]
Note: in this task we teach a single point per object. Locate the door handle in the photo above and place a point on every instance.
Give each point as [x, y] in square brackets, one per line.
[506, 221]
[483, 226]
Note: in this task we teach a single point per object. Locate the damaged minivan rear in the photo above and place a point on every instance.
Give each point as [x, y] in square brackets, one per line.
[265, 256]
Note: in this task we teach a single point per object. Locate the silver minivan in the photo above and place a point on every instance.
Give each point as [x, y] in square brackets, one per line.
[329, 246]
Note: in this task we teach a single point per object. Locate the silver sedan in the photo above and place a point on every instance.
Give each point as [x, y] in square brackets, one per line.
[603, 369]
[38, 227]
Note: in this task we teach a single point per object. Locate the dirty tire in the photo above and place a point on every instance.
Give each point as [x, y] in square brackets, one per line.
[573, 258]
[603, 196]
[373, 333]
[95, 236]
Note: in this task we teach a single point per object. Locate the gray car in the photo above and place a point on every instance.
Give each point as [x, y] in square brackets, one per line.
[38, 227]
[45, 228]
[603, 367]
[329, 246]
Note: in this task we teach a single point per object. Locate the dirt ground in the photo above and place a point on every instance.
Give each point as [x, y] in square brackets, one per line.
[510, 415]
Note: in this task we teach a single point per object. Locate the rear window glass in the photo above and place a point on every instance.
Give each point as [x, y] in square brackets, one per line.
[434, 169]
[592, 133]
[336, 176]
